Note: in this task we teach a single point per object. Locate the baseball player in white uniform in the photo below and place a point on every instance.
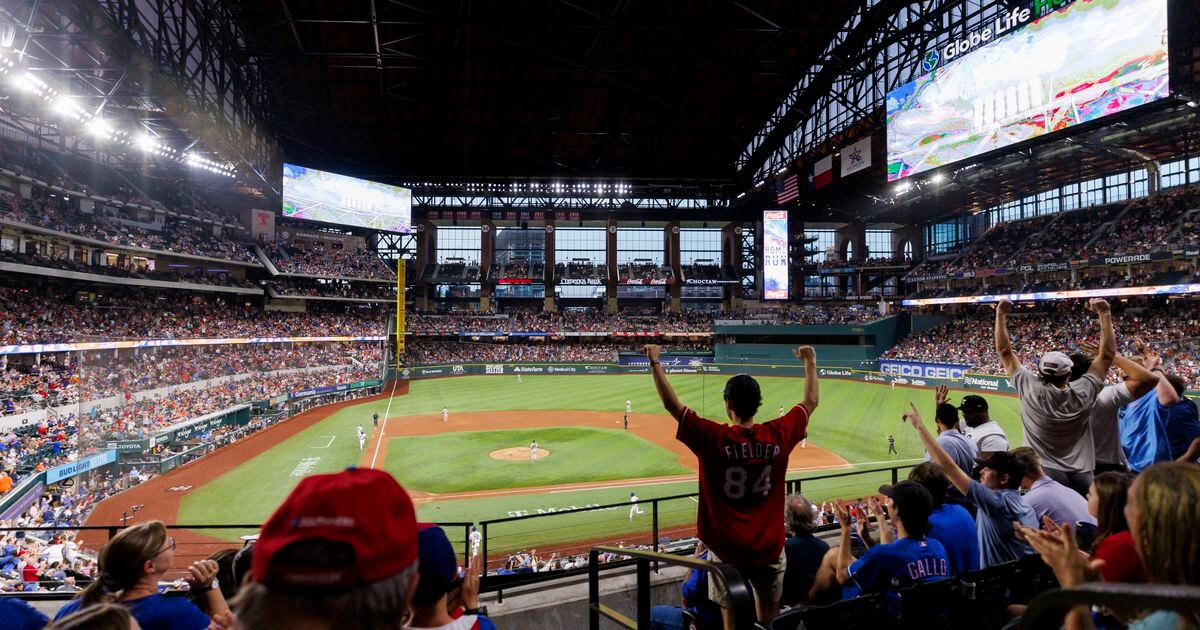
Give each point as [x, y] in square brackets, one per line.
[362, 438]
[476, 540]
[628, 406]
[518, 379]
[633, 508]
[533, 450]
[445, 414]
[780, 411]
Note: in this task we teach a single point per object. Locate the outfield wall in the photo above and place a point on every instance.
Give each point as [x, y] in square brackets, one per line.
[978, 382]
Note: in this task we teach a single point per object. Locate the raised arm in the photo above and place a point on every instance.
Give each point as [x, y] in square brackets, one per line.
[844, 557]
[1108, 340]
[812, 389]
[957, 477]
[1141, 380]
[1008, 357]
[669, 400]
[1152, 361]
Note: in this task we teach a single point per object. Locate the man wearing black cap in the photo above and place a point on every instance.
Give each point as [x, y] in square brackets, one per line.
[742, 469]
[987, 434]
[1055, 410]
[910, 559]
[996, 497]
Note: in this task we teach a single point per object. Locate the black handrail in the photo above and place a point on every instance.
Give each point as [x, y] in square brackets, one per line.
[740, 600]
[1047, 610]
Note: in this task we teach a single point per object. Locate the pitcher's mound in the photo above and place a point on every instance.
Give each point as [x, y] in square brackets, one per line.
[519, 453]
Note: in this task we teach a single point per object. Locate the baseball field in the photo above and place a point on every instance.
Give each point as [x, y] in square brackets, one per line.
[476, 465]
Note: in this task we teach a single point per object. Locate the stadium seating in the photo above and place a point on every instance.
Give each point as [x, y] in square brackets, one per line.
[319, 260]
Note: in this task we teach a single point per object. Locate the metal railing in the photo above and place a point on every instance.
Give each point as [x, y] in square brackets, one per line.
[1048, 609]
[794, 486]
[741, 602]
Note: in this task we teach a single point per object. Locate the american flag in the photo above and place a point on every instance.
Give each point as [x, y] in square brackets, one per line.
[787, 189]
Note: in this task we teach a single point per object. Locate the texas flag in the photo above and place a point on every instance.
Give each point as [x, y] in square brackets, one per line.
[821, 173]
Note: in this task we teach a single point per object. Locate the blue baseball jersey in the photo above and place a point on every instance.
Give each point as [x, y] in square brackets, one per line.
[908, 560]
[1144, 432]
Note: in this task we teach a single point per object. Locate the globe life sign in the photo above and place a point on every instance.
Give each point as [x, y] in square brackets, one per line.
[1004, 23]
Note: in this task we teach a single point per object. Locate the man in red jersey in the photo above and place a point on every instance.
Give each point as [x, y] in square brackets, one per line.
[742, 470]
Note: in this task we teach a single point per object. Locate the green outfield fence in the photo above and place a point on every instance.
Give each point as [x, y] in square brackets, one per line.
[853, 370]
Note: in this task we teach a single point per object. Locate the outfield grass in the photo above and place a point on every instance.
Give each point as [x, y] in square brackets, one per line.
[853, 420]
[578, 455]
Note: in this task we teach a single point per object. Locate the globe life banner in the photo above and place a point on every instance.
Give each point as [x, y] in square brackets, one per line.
[1079, 63]
[775, 255]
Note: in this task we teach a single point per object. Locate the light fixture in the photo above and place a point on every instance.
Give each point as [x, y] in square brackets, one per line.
[937, 178]
[99, 127]
[145, 142]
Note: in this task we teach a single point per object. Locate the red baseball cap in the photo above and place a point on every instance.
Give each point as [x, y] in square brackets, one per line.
[361, 507]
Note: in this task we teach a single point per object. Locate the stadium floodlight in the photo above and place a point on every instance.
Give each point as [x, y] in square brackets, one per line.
[26, 82]
[903, 187]
[145, 142]
[938, 178]
[99, 127]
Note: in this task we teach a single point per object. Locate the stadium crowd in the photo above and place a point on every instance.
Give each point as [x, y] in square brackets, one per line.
[196, 275]
[100, 374]
[361, 291]
[1162, 222]
[317, 259]
[444, 352]
[29, 316]
[1173, 325]
[171, 236]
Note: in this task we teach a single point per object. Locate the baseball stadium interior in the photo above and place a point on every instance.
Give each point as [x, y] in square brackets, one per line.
[387, 314]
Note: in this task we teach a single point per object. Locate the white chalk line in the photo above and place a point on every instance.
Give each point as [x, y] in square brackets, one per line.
[330, 443]
[383, 429]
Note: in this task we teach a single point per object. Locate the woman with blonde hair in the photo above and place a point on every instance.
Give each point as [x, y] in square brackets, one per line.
[130, 567]
[1163, 520]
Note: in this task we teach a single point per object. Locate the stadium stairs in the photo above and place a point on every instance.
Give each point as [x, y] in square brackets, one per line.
[262, 257]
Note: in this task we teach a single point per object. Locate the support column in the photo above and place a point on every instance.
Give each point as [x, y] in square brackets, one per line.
[487, 255]
[550, 258]
[731, 255]
[426, 255]
[671, 254]
[611, 256]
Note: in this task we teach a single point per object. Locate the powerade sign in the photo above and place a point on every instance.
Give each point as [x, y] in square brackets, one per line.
[66, 471]
[923, 370]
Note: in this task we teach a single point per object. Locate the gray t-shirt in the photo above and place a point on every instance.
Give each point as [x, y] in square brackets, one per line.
[959, 447]
[1056, 420]
[989, 437]
[993, 523]
[1106, 432]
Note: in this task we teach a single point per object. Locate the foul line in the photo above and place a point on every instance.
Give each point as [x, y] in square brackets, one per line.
[331, 439]
[383, 429]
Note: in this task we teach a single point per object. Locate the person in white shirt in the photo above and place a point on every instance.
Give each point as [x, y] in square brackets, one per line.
[988, 435]
[628, 406]
[633, 508]
[476, 541]
[445, 414]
